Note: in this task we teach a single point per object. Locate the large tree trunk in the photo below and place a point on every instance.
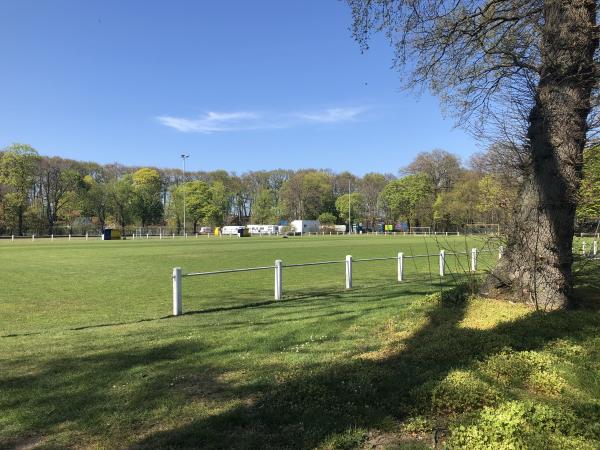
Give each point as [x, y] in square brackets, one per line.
[536, 266]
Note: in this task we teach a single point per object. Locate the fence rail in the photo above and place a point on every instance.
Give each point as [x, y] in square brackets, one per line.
[278, 267]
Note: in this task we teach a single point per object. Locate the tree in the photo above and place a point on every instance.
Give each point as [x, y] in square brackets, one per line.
[58, 180]
[441, 167]
[409, 198]
[327, 218]
[263, 210]
[307, 194]
[147, 188]
[94, 199]
[589, 193]
[370, 187]
[198, 199]
[18, 166]
[459, 205]
[350, 203]
[121, 201]
[534, 62]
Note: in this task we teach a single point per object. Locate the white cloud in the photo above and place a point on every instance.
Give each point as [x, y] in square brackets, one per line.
[332, 115]
[212, 122]
[216, 122]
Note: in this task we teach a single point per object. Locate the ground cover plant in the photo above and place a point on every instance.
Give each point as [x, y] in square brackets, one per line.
[90, 357]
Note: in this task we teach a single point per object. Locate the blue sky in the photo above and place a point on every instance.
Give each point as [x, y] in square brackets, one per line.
[238, 85]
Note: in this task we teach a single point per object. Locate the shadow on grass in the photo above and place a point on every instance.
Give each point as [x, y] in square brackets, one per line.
[298, 410]
[307, 409]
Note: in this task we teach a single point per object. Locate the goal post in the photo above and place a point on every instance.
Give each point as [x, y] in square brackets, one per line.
[482, 228]
[420, 230]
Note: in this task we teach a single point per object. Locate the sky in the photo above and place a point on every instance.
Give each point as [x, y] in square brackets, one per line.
[238, 85]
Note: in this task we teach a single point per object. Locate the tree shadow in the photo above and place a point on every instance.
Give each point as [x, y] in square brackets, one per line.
[299, 409]
[365, 392]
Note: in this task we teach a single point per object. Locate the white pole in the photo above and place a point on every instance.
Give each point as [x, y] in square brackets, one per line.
[160, 235]
[442, 262]
[184, 157]
[400, 266]
[278, 279]
[177, 306]
[348, 271]
[473, 260]
[349, 218]
[595, 248]
[86, 235]
[500, 251]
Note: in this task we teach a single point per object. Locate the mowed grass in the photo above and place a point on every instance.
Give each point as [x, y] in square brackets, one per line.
[91, 359]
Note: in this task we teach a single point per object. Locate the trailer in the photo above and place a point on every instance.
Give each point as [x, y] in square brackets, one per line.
[306, 226]
[263, 229]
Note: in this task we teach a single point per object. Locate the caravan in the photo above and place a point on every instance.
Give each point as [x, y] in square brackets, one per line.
[264, 229]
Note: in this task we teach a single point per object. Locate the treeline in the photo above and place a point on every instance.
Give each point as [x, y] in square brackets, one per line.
[52, 195]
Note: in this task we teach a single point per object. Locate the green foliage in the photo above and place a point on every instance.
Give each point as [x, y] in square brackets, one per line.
[147, 204]
[460, 204]
[409, 198]
[521, 425]
[353, 203]
[459, 392]
[327, 218]
[263, 209]
[18, 167]
[589, 192]
[121, 200]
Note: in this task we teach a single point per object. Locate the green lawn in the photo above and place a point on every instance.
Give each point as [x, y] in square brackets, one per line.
[91, 358]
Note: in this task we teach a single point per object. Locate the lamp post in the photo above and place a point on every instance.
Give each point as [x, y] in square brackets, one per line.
[349, 203]
[184, 157]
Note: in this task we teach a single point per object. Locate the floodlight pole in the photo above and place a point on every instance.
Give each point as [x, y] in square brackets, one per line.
[349, 219]
[184, 157]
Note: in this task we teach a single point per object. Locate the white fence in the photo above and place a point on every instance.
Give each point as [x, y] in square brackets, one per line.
[278, 267]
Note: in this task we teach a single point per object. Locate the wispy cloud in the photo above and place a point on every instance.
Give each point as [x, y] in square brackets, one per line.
[332, 115]
[217, 122]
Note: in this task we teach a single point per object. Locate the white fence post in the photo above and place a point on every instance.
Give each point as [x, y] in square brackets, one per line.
[400, 266]
[177, 307]
[500, 251]
[595, 248]
[473, 260]
[442, 262]
[348, 271]
[278, 279]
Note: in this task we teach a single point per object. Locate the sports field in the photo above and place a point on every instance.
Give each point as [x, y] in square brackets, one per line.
[92, 358]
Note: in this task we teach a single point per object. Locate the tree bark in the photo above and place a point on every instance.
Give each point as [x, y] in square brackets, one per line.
[537, 264]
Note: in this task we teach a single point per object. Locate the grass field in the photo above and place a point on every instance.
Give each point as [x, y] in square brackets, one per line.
[91, 359]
